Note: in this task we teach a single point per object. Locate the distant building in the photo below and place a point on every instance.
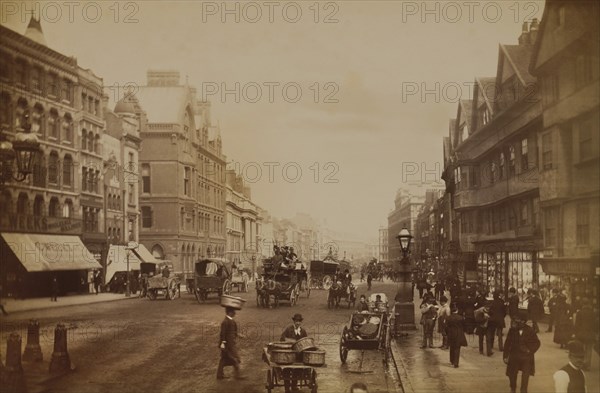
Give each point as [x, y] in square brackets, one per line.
[383, 245]
[404, 215]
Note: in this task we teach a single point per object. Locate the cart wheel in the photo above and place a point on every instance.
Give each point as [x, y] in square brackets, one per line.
[172, 290]
[292, 298]
[343, 351]
[314, 388]
[226, 288]
[269, 381]
[327, 282]
[152, 294]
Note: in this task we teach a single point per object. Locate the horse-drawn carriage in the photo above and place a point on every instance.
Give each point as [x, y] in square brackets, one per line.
[323, 273]
[341, 290]
[368, 330]
[159, 281]
[211, 275]
[279, 283]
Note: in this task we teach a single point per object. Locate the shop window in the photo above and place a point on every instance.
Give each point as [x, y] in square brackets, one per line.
[583, 224]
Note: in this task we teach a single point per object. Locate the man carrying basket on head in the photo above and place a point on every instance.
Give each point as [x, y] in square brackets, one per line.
[228, 345]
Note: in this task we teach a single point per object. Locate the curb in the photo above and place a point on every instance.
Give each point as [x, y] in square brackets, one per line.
[17, 311]
[405, 385]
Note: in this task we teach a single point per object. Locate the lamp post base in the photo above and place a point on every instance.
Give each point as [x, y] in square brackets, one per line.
[404, 318]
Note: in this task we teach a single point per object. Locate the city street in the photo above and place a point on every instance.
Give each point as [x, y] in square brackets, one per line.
[140, 345]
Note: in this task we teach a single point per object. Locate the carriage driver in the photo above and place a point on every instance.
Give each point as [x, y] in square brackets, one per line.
[293, 333]
[347, 278]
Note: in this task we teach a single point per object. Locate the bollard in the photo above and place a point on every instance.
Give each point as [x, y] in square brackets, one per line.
[33, 351]
[13, 378]
[60, 357]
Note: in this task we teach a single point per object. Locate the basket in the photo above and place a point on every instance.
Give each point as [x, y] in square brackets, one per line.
[281, 345]
[303, 344]
[314, 357]
[232, 301]
[283, 356]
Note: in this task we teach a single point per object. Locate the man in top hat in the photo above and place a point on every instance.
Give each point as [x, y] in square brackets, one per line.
[228, 344]
[570, 378]
[294, 331]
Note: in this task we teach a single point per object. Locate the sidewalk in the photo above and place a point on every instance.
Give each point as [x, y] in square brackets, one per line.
[15, 306]
[429, 370]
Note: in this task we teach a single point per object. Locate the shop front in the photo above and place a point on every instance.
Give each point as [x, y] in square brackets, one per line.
[29, 262]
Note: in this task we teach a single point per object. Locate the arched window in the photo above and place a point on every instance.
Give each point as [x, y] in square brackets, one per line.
[37, 118]
[23, 204]
[38, 206]
[53, 168]
[53, 126]
[158, 252]
[67, 171]
[21, 109]
[67, 210]
[67, 127]
[54, 207]
[83, 139]
[39, 170]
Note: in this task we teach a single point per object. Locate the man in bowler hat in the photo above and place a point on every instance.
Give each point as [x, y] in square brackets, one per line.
[294, 332]
[521, 344]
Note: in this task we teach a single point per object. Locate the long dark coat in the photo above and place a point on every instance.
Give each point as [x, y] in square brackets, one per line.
[520, 350]
[563, 323]
[456, 331]
[229, 334]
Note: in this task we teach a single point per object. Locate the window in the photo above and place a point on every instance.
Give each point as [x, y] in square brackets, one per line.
[67, 170]
[131, 193]
[511, 160]
[84, 179]
[36, 79]
[90, 142]
[145, 178]
[585, 128]
[53, 85]
[54, 208]
[550, 225]
[131, 162]
[53, 124]
[66, 90]
[457, 175]
[68, 128]
[68, 209]
[524, 155]
[84, 102]
[53, 168]
[21, 112]
[20, 74]
[39, 171]
[96, 181]
[551, 89]
[36, 119]
[83, 139]
[182, 217]
[186, 181]
[146, 217]
[583, 224]
[547, 151]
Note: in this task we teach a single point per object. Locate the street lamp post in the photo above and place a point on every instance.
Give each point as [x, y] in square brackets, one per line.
[130, 246]
[404, 308]
[24, 148]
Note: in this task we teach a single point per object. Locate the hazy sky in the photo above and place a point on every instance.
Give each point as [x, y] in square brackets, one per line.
[365, 129]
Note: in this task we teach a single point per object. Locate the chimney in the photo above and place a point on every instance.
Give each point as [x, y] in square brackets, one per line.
[524, 37]
[533, 30]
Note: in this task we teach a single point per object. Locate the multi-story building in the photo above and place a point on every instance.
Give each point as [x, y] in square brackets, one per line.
[383, 244]
[565, 61]
[242, 223]
[182, 166]
[42, 88]
[404, 215]
[496, 195]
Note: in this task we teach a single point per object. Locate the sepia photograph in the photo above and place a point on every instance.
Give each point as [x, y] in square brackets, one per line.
[351, 196]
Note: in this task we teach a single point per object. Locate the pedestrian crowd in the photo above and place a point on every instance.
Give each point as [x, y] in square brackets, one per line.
[575, 328]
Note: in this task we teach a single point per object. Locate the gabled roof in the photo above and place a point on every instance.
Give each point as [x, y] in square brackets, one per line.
[487, 87]
[518, 56]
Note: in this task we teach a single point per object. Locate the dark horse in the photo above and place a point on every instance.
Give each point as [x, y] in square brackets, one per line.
[268, 293]
[338, 291]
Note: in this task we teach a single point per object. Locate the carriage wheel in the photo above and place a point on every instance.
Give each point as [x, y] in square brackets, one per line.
[292, 297]
[199, 295]
[343, 350]
[226, 290]
[152, 294]
[172, 290]
[269, 381]
[327, 282]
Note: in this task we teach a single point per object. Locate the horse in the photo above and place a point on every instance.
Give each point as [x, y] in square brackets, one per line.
[267, 292]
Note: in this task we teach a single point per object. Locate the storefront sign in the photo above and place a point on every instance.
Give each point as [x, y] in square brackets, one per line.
[558, 267]
[39, 224]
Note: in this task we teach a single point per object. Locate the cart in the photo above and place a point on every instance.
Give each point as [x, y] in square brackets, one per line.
[211, 275]
[163, 285]
[279, 374]
[239, 279]
[368, 330]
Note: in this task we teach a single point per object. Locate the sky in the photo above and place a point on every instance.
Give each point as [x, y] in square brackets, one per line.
[326, 108]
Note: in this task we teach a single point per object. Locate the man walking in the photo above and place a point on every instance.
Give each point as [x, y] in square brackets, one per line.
[482, 317]
[228, 345]
[552, 302]
[535, 308]
[429, 315]
[513, 302]
[443, 314]
[570, 378]
[496, 321]
[456, 334]
[521, 344]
